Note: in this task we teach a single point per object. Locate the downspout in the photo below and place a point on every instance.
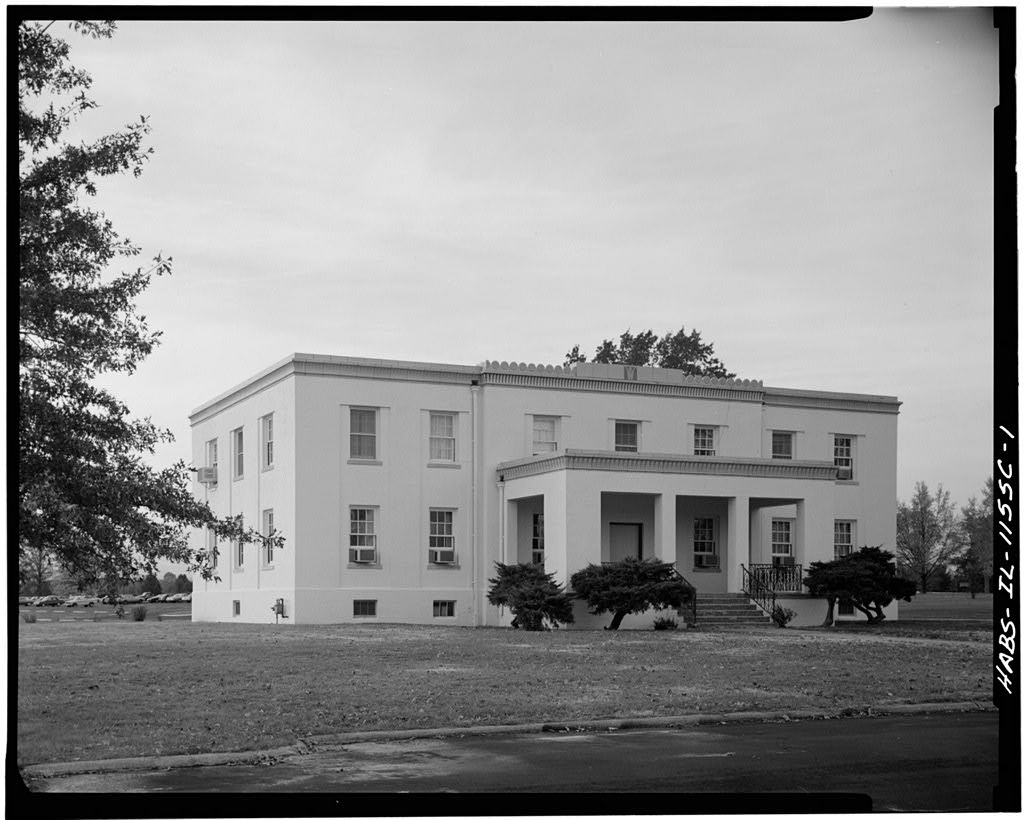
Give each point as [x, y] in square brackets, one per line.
[474, 390]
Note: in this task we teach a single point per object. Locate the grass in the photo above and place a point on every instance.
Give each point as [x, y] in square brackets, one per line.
[121, 688]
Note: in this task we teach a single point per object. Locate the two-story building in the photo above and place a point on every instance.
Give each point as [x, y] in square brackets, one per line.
[398, 485]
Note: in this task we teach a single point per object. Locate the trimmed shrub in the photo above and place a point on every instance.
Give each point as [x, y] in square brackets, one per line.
[782, 615]
[28, 617]
[138, 613]
[537, 601]
[662, 623]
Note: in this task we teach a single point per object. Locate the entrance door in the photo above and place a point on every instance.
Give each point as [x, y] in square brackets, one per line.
[625, 540]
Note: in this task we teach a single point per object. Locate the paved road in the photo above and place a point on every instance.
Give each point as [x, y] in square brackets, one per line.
[920, 763]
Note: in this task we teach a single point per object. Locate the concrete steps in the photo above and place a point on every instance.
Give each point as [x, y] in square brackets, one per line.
[729, 609]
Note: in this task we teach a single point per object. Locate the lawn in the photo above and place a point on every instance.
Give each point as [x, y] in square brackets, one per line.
[121, 688]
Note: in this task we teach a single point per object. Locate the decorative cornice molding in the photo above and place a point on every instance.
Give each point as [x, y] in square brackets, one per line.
[555, 381]
[822, 400]
[666, 463]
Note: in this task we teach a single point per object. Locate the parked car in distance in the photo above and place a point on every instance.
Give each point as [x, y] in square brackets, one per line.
[81, 600]
[174, 597]
[158, 599]
[186, 598]
[49, 600]
[24, 600]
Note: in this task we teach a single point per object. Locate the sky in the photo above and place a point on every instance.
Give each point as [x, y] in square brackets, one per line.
[815, 199]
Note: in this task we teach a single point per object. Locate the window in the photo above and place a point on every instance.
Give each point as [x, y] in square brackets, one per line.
[843, 448]
[442, 437]
[363, 433]
[268, 529]
[545, 436]
[239, 551]
[236, 608]
[362, 538]
[237, 458]
[267, 435]
[627, 436]
[703, 441]
[211, 547]
[211, 461]
[782, 541]
[537, 541]
[843, 540]
[705, 552]
[442, 537]
[782, 445]
[845, 608]
[444, 609]
[364, 609]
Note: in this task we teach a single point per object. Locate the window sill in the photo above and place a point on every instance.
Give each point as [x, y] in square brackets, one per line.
[449, 465]
[368, 462]
[363, 565]
[443, 566]
[266, 469]
[268, 567]
[707, 569]
[847, 482]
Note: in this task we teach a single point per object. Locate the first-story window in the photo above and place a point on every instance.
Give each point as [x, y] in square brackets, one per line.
[843, 456]
[236, 608]
[703, 441]
[442, 437]
[545, 434]
[211, 547]
[537, 539]
[441, 537]
[364, 609]
[782, 445]
[362, 535]
[444, 609]
[363, 433]
[705, 549]
[268, 530]
[843, 540]
[782, 541]
[627, 437]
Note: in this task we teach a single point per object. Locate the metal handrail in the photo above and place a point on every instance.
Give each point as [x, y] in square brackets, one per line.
[758, 591]
[779, 577]
[692, 620]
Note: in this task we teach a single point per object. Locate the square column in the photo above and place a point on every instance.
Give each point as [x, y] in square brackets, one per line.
[800, 533]
[738, 544]
[510, 551]
[665, 527]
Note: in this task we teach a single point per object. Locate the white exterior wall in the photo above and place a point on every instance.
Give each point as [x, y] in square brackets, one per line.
[315, 482]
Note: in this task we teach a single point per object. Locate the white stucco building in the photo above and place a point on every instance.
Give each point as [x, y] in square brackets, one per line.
[397, 485]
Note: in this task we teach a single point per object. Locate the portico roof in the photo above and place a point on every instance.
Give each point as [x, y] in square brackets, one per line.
[666, 463]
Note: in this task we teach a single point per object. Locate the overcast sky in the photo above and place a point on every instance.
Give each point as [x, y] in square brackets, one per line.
[816, 199]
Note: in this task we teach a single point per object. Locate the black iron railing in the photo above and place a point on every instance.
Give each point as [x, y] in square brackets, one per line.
[755, 588]
[780, 577]
[691, 616]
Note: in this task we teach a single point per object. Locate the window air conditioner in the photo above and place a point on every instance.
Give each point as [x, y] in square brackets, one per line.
[705, 560]
[442, 556]
[844, 473]
[207, 475]
[364, 555]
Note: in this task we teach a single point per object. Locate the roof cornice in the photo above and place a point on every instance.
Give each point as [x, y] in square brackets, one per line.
[666, 463]
[824, 400]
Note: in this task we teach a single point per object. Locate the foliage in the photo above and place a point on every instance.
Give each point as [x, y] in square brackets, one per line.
[630, 586]
[183, 583]
[535, 599]
[781, 616]
[866, 579]
[678, 351]
[151, 584]
[29, 617]
[139, 613]
[976, 534]
[927, 534]
[662, 623]
[88, 500]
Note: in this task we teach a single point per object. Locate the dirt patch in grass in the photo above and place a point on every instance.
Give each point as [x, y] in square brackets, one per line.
[120, 689]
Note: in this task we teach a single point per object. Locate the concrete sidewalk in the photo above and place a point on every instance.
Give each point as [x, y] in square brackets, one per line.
[321, 742]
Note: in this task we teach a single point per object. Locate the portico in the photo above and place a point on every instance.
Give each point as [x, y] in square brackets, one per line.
[709, 516]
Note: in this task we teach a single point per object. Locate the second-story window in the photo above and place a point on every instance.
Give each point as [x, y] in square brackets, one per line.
[703, 441]
[237, 453]
[843, 449]
[267, 435]
[211, 461]
[442, 437]
[627, 436]
[545, 434]
[363, 433]
[782, 445]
